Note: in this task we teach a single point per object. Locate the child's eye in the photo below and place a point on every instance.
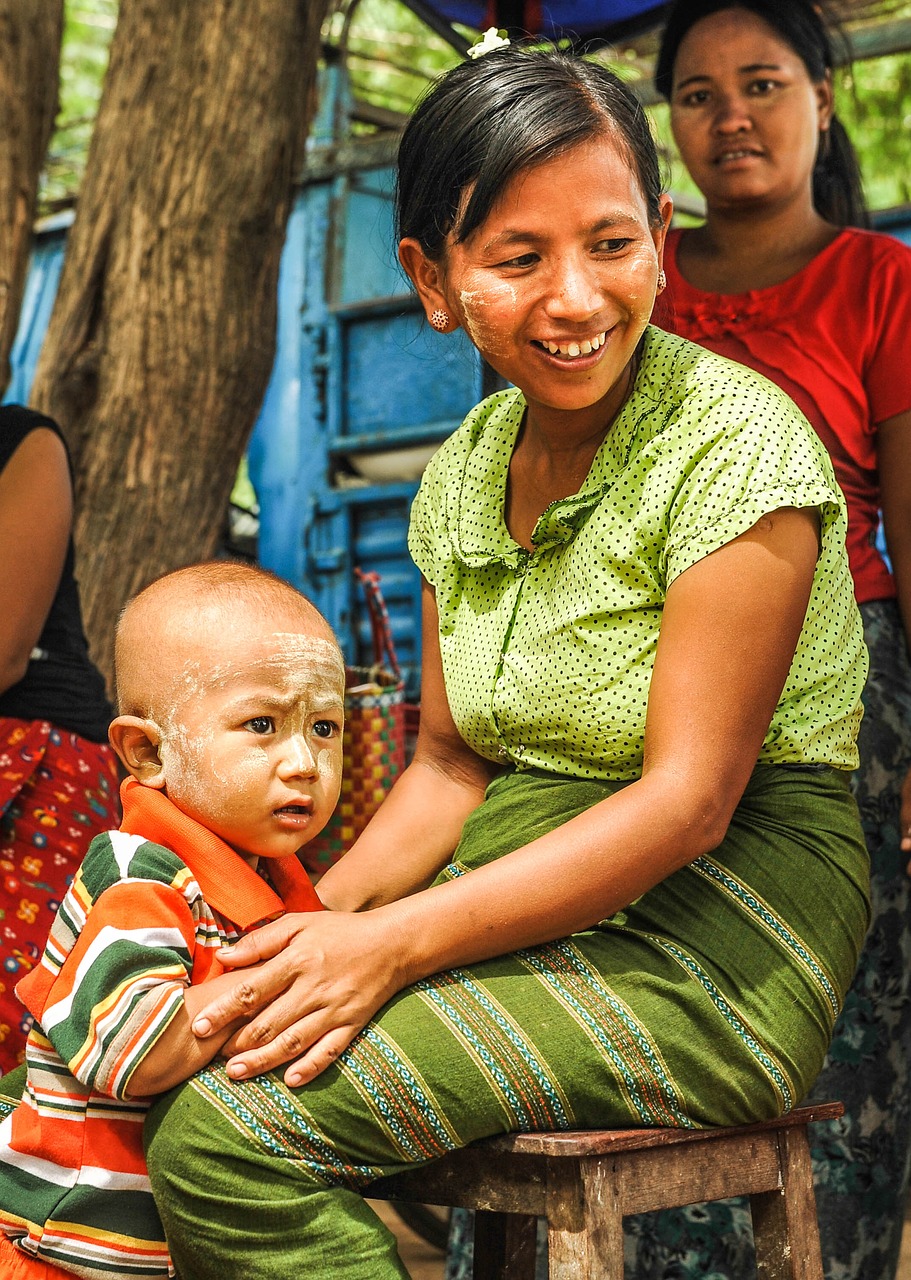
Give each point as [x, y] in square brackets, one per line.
[612, 246]
[325, 728]
[260, 724]
[762, 87]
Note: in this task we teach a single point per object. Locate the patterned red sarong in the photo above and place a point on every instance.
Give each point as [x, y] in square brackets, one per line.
[57, 792]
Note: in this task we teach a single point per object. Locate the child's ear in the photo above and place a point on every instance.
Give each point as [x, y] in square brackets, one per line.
[137, 743]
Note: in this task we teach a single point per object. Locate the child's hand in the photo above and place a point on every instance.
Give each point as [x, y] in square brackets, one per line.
[179, 1052]
[323, 976]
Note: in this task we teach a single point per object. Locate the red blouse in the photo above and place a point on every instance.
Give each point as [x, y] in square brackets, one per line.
[837, 338]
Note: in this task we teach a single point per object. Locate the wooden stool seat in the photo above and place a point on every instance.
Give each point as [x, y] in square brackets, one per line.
[583, 1183]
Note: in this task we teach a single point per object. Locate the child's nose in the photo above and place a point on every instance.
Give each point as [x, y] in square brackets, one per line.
[298, 759]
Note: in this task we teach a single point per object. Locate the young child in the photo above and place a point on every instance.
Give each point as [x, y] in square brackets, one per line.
[230, 692]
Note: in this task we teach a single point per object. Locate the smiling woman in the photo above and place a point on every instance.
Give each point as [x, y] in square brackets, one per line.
[597, 881]
[556, 306]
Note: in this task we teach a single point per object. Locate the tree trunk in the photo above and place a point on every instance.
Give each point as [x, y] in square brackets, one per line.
[30, 32]
[162, 338]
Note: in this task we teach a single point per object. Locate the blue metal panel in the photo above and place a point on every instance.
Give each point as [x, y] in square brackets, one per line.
[399, 382]
[37, 303]
[367, 250]
[356, 370]
[274, 454]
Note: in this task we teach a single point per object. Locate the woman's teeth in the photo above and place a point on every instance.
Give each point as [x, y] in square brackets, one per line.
[573, 349]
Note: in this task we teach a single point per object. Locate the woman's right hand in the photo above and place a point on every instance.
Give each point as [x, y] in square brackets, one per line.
[321, 977]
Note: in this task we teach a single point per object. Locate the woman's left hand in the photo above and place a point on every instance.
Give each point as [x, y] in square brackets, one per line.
[905, 817]
[326, 974]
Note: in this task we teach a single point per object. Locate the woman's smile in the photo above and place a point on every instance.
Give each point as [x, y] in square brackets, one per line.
[573, 348]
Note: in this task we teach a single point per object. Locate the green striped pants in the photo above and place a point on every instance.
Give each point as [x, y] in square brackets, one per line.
[710, 1000]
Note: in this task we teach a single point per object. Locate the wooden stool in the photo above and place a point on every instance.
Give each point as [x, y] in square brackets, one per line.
[584, 1182]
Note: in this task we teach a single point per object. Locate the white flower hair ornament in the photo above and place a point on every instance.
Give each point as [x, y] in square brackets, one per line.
[490, 40]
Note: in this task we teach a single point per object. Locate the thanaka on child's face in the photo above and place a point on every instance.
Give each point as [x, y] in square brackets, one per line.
[251, 746]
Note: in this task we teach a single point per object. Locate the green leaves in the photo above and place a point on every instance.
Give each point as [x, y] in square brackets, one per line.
[88, 28]
[392, 57]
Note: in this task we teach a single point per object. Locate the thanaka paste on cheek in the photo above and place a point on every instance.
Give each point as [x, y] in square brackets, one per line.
[183, 756]
[476, 304]
[329, 764]
[305, 669]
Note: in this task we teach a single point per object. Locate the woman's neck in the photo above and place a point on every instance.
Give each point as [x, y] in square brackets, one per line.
[553, 455]
[735, 251]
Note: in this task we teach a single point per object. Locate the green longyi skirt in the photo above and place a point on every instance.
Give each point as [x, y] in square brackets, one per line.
[709, 1001]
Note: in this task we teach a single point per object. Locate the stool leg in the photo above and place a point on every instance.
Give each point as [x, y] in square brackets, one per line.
[785, 1228]
[504, 1246]
[584, 1220]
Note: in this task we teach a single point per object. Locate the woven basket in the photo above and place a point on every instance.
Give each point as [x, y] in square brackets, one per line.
[373, 743]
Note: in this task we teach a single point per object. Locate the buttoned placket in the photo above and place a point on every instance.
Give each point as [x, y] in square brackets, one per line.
[505, 753]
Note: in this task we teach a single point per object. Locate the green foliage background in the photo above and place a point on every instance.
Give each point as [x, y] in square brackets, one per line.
[88, 27]
[392, 58]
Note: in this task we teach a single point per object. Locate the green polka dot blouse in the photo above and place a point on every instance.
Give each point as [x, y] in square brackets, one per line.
[547, 655]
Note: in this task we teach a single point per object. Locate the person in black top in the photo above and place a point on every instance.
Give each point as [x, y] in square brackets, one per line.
[58, 778]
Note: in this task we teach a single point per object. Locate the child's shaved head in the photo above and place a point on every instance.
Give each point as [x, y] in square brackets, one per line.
[231, 690]
[172, 632]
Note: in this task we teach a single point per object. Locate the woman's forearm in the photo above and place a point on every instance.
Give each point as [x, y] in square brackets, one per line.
[410, 839]
[900, 556]
[565, 881]
[35, 518]
[893, 442]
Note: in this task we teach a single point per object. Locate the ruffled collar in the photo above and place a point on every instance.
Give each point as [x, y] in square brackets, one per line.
[479, 533]
[716, 315]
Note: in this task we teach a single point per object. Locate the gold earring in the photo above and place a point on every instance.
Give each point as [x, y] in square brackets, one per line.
[439, 320]
[662, 281]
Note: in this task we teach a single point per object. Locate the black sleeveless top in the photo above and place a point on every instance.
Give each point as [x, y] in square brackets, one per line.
[62, 684]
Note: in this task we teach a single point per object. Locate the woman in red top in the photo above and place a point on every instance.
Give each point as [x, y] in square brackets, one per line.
[779, 277]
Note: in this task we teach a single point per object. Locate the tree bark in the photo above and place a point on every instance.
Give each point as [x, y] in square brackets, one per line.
[30, 32]
[162, 338]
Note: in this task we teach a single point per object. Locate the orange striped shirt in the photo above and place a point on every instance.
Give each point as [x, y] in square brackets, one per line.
[147, 911]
